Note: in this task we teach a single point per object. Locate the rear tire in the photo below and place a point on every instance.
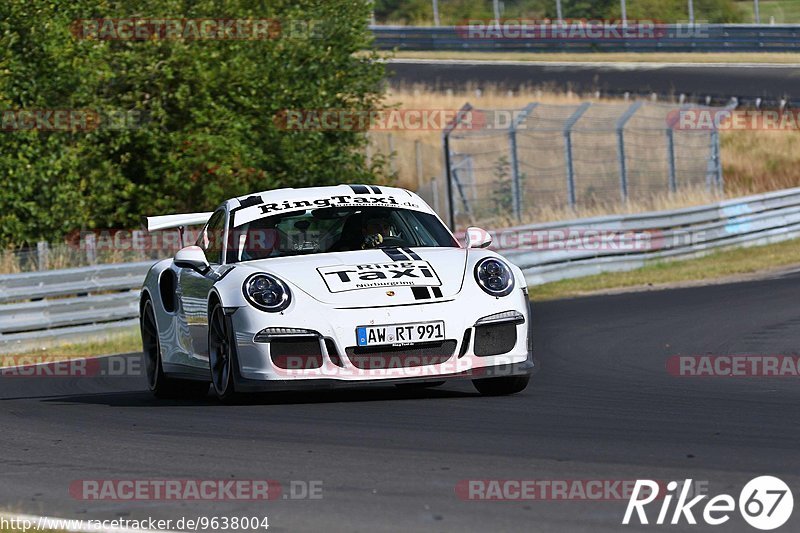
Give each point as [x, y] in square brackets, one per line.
[160, 385]
[501, 386]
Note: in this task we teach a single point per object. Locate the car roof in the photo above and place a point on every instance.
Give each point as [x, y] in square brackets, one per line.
[402, 196]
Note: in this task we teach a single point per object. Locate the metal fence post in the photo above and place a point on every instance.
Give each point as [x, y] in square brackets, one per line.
[623, 171]
[713, 167]
[418, 158]
[516, 186]
[392, 154]
[720, 178]
[568, 150]
[451, 216]
[435, 194]
[90, 243]
[673, 181]
[42, 254]
[447, 170]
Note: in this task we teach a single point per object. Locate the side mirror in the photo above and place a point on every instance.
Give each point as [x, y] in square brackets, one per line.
[478, 238]
[192, 257]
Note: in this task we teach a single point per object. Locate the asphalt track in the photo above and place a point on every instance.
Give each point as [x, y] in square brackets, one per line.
[602, 406]
[771, 83]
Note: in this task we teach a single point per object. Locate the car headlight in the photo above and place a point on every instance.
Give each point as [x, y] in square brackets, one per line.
[266, 292]
[494, 276]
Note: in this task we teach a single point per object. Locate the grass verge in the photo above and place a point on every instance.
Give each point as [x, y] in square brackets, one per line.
[715, 266]
[610, 57]
[125, 341]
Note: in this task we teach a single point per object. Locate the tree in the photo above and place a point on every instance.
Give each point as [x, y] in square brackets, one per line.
[200, 112]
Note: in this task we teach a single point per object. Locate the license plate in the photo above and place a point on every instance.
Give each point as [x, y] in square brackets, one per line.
[400, 333]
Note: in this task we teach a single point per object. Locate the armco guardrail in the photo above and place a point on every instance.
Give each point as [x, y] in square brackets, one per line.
[666, 38]
[59, 304]
[562, 250]
[71, 303]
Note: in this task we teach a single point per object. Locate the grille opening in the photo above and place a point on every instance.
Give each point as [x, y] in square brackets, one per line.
[296, 353]
[465, 343]
[495, 339]
[333, 353]
[378, 357]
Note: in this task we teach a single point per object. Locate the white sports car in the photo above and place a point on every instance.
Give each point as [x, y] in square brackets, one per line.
[327, 286]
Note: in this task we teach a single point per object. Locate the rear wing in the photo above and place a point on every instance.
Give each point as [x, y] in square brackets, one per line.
[175, 221]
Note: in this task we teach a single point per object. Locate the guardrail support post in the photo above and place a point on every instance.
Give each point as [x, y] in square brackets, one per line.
[570, 122]
[673, 181]
[516, 185]
[623, 171]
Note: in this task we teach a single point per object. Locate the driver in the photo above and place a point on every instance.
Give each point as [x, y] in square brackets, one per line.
[375, 230]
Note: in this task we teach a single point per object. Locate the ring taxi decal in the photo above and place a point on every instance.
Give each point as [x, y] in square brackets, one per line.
[416, 273]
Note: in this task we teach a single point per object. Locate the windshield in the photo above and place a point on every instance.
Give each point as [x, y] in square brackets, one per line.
[335, 229]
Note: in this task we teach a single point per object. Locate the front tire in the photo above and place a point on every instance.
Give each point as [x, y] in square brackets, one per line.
[221, 355]
[159, 384]
[501, 386]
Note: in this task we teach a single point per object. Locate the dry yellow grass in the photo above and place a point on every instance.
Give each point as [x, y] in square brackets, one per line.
[656, 202]
[128, 340]
[61, 256]
[758, 161]
[9, 263]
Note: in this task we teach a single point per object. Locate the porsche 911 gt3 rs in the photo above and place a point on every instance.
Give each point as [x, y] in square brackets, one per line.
[327, 286]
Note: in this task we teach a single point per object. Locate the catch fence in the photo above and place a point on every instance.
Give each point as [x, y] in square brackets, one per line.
[511, 165]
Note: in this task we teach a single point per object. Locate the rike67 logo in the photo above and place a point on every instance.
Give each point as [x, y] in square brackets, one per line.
[765, 503]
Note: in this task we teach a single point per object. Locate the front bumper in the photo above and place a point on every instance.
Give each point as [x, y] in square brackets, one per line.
[336, 328]
[254, 385]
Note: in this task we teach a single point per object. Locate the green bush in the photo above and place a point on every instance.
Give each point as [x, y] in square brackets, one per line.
[202, 109]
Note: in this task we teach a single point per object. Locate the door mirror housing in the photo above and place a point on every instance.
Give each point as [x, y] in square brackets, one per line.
[192, 257]
[477, 238]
